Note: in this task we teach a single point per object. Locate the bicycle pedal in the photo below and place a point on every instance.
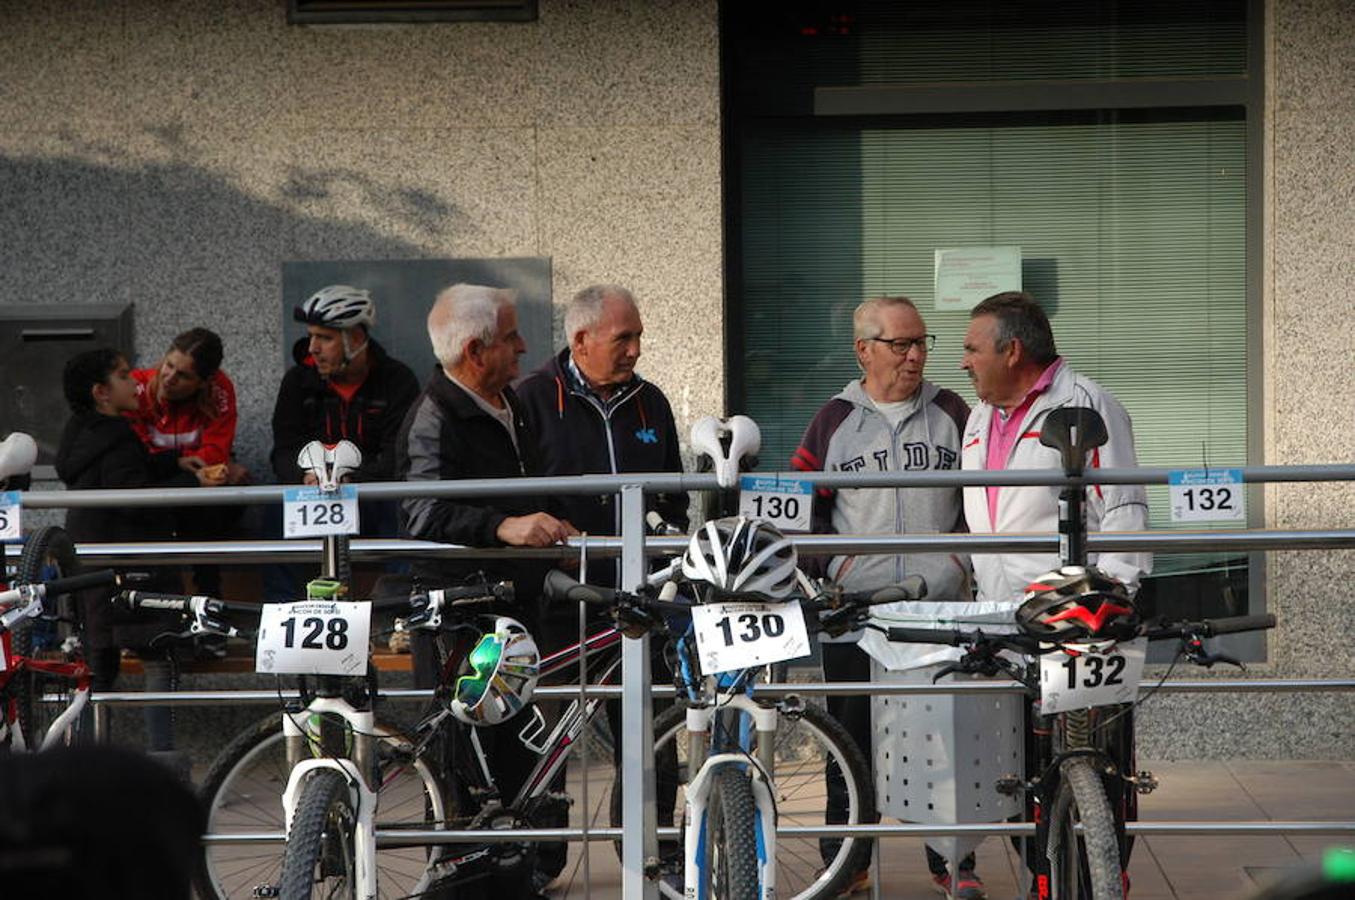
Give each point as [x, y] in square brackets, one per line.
[264, 890]
[1145, 782]
[1009, 785]
[792, 706]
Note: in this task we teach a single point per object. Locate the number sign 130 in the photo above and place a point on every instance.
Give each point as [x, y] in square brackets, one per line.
[740, 635]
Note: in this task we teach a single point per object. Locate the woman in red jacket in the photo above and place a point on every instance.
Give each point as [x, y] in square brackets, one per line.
[186, 409]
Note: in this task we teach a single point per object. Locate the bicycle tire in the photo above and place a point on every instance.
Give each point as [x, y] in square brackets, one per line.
[242, 792]
[732, 815]
[320, 851]
[807, 745]
[1085, 867]
[47, 553]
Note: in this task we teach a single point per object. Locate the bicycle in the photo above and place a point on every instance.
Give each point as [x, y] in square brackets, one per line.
[746, 763]
[26, 680]
[1083, 645]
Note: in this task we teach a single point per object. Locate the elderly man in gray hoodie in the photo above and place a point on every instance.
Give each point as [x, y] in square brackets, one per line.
[891, 419]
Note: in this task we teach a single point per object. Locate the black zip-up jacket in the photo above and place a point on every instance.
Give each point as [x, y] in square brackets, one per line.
[575, 436]
[307, 409]
[99, 451]
[447, 436]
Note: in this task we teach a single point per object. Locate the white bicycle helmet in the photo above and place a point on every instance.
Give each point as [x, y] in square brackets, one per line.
[337, 306]
[736, 555]
[505, 666]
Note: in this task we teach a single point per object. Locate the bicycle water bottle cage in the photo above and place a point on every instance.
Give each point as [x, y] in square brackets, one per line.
[1074, 431]
[726, 442]
[325, 589]
[329, 463]
[18, 453]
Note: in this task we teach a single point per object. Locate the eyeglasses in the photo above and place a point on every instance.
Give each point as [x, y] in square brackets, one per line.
[484, 660]
[901, 346]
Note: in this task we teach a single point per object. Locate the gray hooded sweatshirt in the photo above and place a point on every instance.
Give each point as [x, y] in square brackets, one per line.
[850, 434]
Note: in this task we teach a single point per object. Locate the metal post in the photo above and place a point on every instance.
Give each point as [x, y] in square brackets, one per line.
[639, 821]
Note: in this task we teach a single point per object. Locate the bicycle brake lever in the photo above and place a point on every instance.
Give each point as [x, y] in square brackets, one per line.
[1197, 655]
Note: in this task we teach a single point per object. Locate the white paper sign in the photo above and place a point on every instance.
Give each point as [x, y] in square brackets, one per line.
[743, 635]
[1091, 678]
[311, 512]
[784, 503]
[1207, 495]
[965, 276]
[9, 516]
[314, 637]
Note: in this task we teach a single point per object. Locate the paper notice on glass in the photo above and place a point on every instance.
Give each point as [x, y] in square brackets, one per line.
[967, 275]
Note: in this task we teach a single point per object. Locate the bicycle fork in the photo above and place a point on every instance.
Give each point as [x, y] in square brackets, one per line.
[696, 871]
[358, 772]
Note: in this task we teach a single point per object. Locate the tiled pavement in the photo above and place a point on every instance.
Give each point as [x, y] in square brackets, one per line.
[1162, 867]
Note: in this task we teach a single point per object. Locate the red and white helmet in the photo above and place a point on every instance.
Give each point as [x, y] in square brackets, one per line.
[1077, 603]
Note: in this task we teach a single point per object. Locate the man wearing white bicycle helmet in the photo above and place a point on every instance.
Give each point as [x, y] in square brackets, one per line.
[344, 386]
[890, 420]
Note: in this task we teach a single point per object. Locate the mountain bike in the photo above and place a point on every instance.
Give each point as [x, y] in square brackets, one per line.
[746, 763]
[1082, 646]
[25, 681]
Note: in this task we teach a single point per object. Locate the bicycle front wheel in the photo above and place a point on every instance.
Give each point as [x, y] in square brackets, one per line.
[48, 553]
[813, 757]
[243, 793]
[320, 860]
[1083, 866]
[732, 841]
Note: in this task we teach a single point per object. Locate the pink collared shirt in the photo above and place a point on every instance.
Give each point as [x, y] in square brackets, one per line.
[1004, 430]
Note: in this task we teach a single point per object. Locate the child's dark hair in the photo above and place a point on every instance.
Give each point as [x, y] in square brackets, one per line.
[83, 371]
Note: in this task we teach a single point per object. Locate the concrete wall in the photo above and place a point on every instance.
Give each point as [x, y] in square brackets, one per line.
[174, 155]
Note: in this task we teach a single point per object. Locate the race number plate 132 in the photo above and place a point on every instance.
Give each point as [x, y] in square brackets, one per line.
[1091, 679]
[742, 635]
[314, 637]
[1207, 495]
[783, 503]
[311, 512]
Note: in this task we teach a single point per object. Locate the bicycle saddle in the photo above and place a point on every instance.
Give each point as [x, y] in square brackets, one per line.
[1074, 431]
[329, 462]
[18, 453]
[726, 442]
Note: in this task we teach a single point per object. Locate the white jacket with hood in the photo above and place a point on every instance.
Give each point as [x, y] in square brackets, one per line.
[850, 434]
[1111, 507]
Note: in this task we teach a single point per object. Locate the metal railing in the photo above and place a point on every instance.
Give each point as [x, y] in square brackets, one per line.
[640, 834]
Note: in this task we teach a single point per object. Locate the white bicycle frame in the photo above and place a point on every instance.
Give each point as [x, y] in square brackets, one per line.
[696, 857]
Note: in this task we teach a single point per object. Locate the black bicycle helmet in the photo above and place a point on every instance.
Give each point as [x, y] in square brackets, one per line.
[1076, 603]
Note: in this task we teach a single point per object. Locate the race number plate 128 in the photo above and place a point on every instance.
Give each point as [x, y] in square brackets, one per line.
[1207, 495]
[739, 635]
[1091, 679]
[311, 512]
[783, 503]
[9, 516]
[314, 637]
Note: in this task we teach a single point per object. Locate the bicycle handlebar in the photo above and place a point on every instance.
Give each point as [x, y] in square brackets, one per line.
[952, 637]
[65, 585]
[1210, 627]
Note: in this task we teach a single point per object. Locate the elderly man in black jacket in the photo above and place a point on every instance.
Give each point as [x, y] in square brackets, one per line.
[467, 424]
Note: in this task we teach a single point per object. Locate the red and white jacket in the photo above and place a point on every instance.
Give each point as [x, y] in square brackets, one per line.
[181, 428]
[1111, 507]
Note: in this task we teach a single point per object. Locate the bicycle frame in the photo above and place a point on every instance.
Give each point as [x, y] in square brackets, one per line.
[10, 727]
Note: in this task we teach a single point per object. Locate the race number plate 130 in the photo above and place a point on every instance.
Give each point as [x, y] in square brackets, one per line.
[783, 503]
[742, 635]
[1091, 679]
[314, 637]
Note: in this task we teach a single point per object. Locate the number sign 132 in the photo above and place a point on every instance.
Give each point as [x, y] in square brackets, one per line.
[1207, 495]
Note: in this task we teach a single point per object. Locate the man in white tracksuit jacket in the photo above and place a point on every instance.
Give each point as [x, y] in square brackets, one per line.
[1019, 378]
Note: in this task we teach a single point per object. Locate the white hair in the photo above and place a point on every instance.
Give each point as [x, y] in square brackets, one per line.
[462, 313]
[585, 310]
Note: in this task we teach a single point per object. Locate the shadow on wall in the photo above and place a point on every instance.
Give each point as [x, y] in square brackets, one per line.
[188, 245]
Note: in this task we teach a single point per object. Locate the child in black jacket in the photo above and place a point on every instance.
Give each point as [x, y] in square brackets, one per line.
[99, 449]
